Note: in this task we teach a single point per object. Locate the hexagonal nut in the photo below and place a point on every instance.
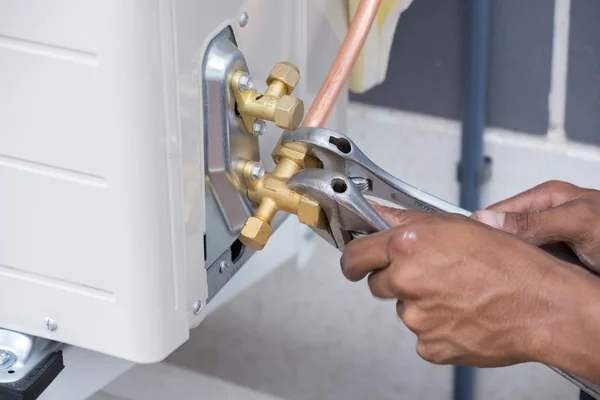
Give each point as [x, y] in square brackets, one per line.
[285, 72]
[297, 156]
[255, 233]
[310, 213]
[289, 112]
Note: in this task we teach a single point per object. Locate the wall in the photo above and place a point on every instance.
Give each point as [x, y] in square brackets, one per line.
[530, 90]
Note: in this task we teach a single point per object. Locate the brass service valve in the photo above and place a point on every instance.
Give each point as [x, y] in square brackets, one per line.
[269, 190]
[274, 105]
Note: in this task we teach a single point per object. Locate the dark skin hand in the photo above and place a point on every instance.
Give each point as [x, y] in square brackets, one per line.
[475, 295]
[552, 212]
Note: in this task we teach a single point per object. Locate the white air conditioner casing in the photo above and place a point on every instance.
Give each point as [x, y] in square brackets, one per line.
[102, 184]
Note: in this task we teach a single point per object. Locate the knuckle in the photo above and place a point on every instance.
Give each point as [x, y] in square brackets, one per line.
[527, 223]
[345, 262]
[423, 351]
[405, 240]
[407, 280]
[400, 308]
[413, 319]
[428, 353]
[555, 185]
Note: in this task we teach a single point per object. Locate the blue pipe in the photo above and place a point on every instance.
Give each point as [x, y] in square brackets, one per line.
[474, 101]
[477, 35]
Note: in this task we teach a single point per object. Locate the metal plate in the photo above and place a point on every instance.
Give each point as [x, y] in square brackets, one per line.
[226, 143]
[28, 350]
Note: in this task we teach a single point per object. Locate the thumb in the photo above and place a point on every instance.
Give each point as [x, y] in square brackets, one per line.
[397, 216]
[539, 227]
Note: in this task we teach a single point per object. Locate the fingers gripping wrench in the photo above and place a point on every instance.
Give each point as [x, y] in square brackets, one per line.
[348, 174]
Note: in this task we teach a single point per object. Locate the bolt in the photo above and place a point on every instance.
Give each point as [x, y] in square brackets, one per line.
[245, 82]
[197, 307]
[362, 184]
[4, 357]
[225, 265]
[257, 171]
[7, 359]
[259, 127]
[244, 19]
[50, 324]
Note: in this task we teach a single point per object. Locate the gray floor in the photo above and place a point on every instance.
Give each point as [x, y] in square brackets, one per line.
[310, 334]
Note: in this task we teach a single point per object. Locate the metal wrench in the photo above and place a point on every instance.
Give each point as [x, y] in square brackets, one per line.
[343, 161]
[348, 174]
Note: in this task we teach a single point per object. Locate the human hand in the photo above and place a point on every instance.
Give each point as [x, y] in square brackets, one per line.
[552, 212]
[472, 294]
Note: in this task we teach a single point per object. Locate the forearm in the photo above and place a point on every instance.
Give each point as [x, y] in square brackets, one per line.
[571, 339]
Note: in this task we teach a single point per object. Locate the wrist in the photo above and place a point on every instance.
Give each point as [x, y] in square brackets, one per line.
[568, 337]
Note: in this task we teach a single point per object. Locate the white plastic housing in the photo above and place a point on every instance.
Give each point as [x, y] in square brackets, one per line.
[101, 198]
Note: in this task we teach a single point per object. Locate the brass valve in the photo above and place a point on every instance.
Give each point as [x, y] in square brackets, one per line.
[269, 190]
[275, 104]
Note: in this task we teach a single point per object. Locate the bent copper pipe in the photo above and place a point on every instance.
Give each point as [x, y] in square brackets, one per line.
[340, 70]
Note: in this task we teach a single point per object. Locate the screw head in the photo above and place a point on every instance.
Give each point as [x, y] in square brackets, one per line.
[257, 171]
[197, 307]
[4, 356]
[245, 82]
[7, 358]
[244, 19]
[259, 127]
[225, 265]
[50, 324]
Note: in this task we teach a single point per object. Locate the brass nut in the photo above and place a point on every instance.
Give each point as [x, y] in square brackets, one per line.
[310, 213]
[285, 72]
[289, 112]
[255, 233]
[300, 158]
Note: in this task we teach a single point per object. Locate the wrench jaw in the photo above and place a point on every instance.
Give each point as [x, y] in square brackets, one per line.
[338, 153]
[311, 185]
[348, 213]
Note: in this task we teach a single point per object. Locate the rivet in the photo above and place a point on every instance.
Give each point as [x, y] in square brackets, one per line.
[257, 171]
[50, 324]
[225, 265]
[197, 307]
[259, 127]
[244, 19]
[245, 82]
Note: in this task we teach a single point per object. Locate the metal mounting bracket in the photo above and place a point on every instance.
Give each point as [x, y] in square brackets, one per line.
[226, 144]
[28, 364]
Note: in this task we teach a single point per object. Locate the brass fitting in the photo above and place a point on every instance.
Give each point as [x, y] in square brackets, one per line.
[272, 194]
[275, 104]
[295, 152]
[269, 189]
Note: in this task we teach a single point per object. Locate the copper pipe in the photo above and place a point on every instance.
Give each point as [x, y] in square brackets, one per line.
[340, 70]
